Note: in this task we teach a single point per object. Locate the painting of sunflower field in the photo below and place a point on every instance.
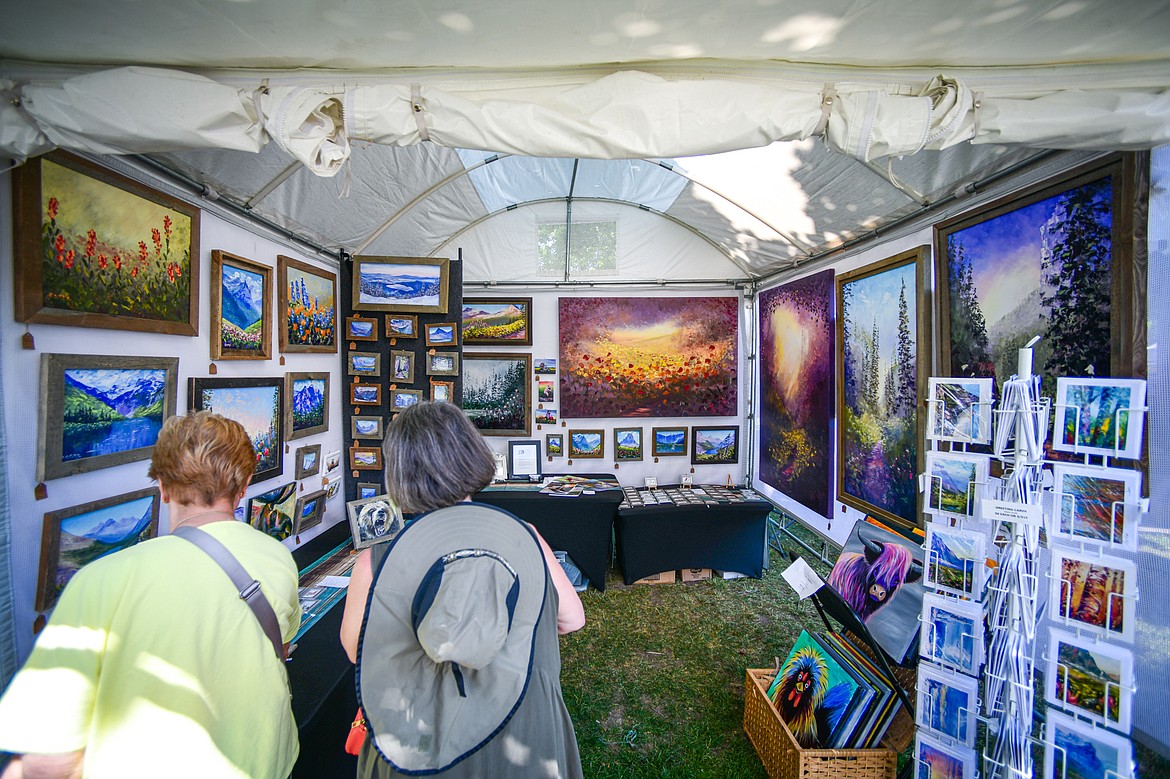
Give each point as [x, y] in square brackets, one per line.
[649, 357]
[96, 249]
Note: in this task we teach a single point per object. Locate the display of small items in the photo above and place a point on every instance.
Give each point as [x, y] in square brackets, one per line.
[705, 495]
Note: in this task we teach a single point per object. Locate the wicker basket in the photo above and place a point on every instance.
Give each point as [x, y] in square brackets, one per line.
[783, 758]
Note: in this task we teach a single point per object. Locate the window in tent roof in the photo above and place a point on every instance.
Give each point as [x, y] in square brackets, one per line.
[593, 249]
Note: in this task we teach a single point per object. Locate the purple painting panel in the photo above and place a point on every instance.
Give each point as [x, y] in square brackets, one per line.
[796, 390]
[649, 357]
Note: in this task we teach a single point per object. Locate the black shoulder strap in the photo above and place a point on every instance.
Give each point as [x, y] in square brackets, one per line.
[248, 587]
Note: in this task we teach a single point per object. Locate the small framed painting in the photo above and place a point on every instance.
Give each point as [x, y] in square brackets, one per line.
[715, 445]
[669, 441]
[364, 364]
[332, 487]
[441, 334]
[96, 249]
[415, 285]
[274, 512]
[402, 367]
[443, 364]
[402, 399]
[1096, 504]
[954, 483]
[955, 560]
[357, 328]
[310, 510]
[545, 366]
[308, 461]
[1077, 749]
[1100, 416]
[401, 326]
[952, 633]
[373, 520]
[257, 404]
[241, 308]
[97, 412]
[947, 703]
[547, 416]
[627, 442]
[497, 322]
[78, 535]
[366, 489]
[959, 410]
[365, 394]
[938, 760]
[586, 444]
[1092, 592]
[307, 398]
[365, 458]
[546, 391]
[1091, 678]
[442, 391]
[554, 444]
[308, 307]
[366, 427]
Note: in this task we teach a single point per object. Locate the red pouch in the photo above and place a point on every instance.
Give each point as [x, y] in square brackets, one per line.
[357, 734]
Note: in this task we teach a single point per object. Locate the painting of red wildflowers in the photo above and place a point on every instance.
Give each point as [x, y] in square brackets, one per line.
[649, 357]
[96, 249]
[307, 306]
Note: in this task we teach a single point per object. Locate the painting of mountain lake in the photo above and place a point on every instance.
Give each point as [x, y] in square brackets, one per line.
[274, 512]
[97, 411]
[1091, 678]
[649, 357]
[627, 443]
[307, 398]
[497, 393]
[497, 322]
[882, 337]
[955, 560]
[1077, 750]
[959, 410]
[715, 445]
[586, 443]
[76, 536]
[1100, 416]
[1096, 504]
[400, 284]
[669, 441]
[954, 482]
[796, 390]
[257, 404]
[308, 306]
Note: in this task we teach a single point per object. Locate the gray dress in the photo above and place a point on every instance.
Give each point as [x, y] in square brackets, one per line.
[537, 742]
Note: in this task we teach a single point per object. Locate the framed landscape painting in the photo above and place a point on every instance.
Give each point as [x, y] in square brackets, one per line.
[443, 364]
[401, 399]
[97, 249]
[442, 391]
[366, 427]
[308, 461]
[402, 367]
[401, 326]
[668, 441]
[365, 458]
[359, 329]
[649, 357]
[547, 416]
[307, 398]
[274, 512]
[441, 334]
[97, 411]
[796, 390]
[365, 394]
[627, 442]
[364, 364]
[309, 511]
[497, 393]
[554, 445]
[715, 445]
[257, 404]
[416, 285]
[497, 322]
[586, 444]
[307, 306]
[1057, 260]
[78, 535]
[241, 308]
[883, 337]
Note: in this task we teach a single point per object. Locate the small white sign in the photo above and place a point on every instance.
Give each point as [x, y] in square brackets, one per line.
[339, 582]
[802, 578]
[1007, 511]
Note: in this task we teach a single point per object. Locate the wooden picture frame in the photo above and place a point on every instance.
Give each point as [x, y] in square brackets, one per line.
[308, 462]
[402, 399]
[401, 326]
[365, 458]
[364, 487]
[369, 427]
[441, 334]
[307, 307]
[443, 364]
[401, 367]
[496, 321]
[885, 302]
[497, 392]
[246, 400]
[365, 394]
[627, 443]
[108, 518]
[710, 445]
[586, 444]
[115, 424]
[360, 328]
[373, 520]
[414, 285]
[363, 364]
[241, 318]
[443, 391]
[70, 271]
[554, 444]
[310, 510]
[668, 441]
[306, 404]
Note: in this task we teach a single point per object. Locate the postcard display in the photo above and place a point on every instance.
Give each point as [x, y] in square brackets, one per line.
[1087, 509]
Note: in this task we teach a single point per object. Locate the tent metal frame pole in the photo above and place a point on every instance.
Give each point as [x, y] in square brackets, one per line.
[569, 217]
[555, 284]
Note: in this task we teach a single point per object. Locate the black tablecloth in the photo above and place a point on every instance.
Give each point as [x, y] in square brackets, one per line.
[729, 537]
[581, 526]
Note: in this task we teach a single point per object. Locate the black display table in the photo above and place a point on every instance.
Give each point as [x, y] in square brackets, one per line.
[581, 526]
[727, 536]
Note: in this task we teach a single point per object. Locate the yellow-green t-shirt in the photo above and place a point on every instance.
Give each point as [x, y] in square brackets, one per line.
[154, 666]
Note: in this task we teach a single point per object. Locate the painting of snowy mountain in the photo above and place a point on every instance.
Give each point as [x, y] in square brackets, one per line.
[715, 445]
[390, 284]
[308, 404]
[242, 309]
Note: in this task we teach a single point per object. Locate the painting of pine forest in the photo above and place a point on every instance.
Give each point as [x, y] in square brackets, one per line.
[497, 392]
[796, 389]
[878, 453]
[649, 357]
[257, 404]
[1044, 268]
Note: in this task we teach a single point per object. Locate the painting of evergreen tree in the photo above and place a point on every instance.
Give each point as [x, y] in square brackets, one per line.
[257, 404]
[497, 395]
[880, 341]
[796, 389]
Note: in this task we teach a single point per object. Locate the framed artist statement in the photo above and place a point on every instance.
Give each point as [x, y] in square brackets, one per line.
[80, 534]
[307, 404]
[257, 404]
[97, 412]
[497, 392]
[497, 321]
[414, 285]
[883, 336]
[1058, 260]
[241, 308]
[307, 306]
[97, 249]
